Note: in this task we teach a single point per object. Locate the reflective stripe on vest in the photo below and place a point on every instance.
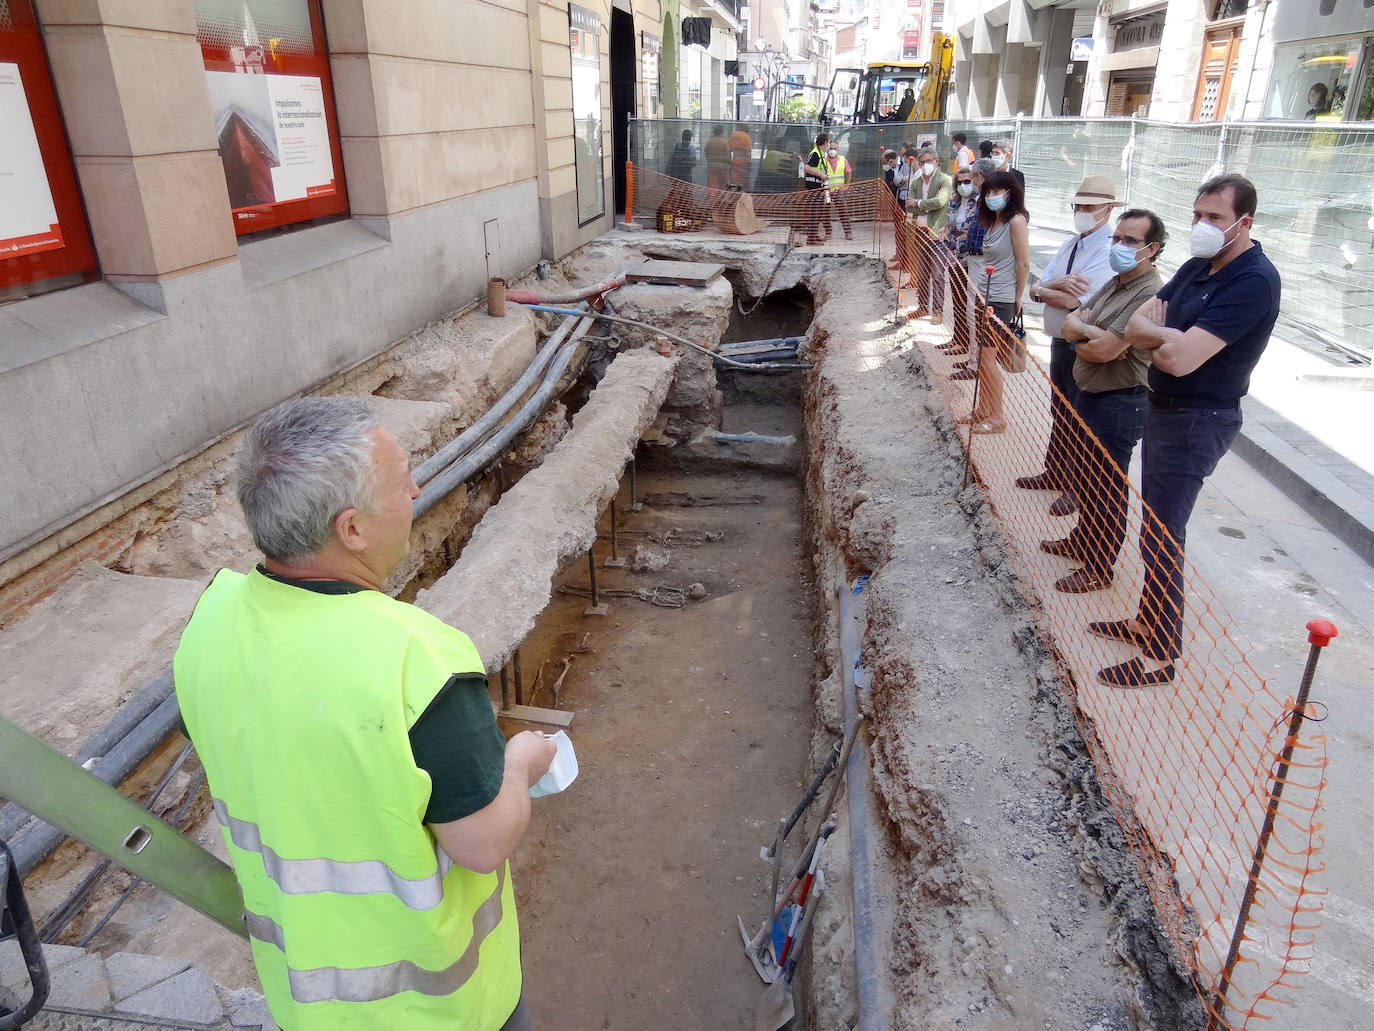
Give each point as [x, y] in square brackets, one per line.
[371, 984]
[362, 877]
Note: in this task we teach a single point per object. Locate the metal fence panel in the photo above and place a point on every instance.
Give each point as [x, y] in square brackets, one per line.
[1316, 191]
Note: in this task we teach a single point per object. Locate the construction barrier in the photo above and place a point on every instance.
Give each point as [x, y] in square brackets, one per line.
[1193, 768]
[1187, 766]
[1314, 202]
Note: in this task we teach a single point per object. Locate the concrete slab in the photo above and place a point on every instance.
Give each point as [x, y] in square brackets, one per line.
[131, 973]
[80, 984]
[549, 517]
[80, 653]
[188, 996]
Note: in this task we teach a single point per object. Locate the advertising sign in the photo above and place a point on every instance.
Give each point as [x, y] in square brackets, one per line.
[273, 137]
[28, 218]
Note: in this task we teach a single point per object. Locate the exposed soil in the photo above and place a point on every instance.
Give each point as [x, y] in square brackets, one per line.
[692, 731]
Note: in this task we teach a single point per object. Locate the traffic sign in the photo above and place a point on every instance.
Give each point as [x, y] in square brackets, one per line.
[759, 82]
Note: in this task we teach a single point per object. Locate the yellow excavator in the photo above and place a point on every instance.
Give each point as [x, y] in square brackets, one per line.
[879, 93]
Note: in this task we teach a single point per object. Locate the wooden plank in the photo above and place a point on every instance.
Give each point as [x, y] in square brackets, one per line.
[674, 273]
[535, 714]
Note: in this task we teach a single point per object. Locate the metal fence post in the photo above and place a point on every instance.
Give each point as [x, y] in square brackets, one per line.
[1319, 635]
[1129, 162]
[1016, 137]
[1221, 148]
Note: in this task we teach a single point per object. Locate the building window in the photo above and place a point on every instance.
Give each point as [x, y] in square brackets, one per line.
[273, 103]
[1313, 81]
[584, 38]
[1228, 9]
[44, 242]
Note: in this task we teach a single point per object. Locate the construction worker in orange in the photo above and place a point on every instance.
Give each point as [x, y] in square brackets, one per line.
[717, 150]
[741, 158]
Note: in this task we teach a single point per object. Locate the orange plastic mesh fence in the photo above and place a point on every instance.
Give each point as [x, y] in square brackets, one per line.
[855, 218]
[1187, 766]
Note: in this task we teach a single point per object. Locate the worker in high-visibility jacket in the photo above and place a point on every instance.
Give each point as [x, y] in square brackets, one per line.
[368, 800]
[837, 176]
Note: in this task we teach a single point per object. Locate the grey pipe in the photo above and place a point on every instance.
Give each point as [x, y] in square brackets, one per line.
[142, 702]
[761, 357]
[860, 820]
[478, 431]
[753, 438]
[475, 461]
[769, 344]
[33, 844]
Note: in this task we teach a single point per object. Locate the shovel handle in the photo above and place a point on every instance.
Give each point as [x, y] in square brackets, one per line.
[791, 964]
[805, 892]
[812, 791]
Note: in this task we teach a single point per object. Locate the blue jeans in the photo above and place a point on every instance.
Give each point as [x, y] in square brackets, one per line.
[1117, 419]
[1065, 445]
[1182, 447]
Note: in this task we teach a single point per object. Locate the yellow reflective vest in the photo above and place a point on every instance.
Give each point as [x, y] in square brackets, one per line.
[300, 706]
[834, 174]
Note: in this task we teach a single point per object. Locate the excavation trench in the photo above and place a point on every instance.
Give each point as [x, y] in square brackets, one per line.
[703, 698]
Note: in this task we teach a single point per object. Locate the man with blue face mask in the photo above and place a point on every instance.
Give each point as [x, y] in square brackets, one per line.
[1078, 270]
[1112, 398]
[1205, 332]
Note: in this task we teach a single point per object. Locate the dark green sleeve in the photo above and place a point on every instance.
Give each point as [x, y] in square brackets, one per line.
[457, 742]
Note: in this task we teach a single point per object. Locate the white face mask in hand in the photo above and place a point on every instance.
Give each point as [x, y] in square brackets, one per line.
[1207, 240]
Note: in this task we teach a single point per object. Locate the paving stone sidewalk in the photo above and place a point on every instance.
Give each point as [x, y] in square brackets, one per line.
[128, 991]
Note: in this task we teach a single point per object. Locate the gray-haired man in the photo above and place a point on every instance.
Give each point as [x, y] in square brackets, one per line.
[367, 798]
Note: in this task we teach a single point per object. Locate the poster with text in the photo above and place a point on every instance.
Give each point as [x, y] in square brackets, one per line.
[273, 138]
[28, 219]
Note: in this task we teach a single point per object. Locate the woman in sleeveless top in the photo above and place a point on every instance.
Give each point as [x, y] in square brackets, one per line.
[1006, 248]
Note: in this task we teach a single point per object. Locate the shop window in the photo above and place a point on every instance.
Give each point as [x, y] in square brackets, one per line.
[273, 103]
[44, 242]
[1312, 81]
[584, 37]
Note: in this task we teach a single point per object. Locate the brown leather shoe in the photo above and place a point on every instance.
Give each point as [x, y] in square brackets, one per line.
[1063, 548]
[1040, 481]
[1083, 581]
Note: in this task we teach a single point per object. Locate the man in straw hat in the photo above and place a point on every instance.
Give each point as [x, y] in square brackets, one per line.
[1078, 270]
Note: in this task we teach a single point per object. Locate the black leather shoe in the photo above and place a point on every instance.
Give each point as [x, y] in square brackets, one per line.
[1083, 581]
[1040, 481]
[1065, 504]
[1134, 673]
[1117, 630]
[1063, 548]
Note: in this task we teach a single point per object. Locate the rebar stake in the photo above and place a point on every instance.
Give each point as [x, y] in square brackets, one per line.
[614, 561]
[519, 685]
[597, 607]
[505, 690]
[1319, 635]
[635, 506]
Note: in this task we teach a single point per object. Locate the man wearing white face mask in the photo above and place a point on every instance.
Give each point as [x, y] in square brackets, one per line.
[1078, 270]
[1205, 331]
[928, 202]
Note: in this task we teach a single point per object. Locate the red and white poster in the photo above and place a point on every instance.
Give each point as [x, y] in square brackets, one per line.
[273, 138]
[28, 219]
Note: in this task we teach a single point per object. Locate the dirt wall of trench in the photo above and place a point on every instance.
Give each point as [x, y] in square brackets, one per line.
[1005, 894]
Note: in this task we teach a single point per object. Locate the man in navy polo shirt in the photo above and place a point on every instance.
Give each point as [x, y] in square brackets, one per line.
[1206, 331]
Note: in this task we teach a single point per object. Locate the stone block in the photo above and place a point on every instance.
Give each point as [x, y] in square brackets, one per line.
[188, 996]
[80, 983]
[248, 1008]
[131, 973]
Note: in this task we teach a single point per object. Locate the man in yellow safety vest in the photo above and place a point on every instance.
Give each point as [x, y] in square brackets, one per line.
[367, 797]
[837, 176]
